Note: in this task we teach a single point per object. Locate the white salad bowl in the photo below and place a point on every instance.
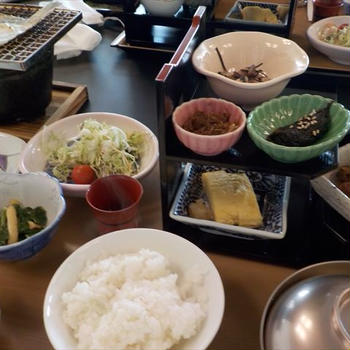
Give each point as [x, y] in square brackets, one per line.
[33, 157]
[206, 285]
[282, 60]
[336, 53]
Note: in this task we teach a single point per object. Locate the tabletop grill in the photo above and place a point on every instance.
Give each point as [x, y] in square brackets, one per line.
[19, 54]
[26, 62]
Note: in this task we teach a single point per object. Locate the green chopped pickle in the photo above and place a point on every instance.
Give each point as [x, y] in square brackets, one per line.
[29, 222]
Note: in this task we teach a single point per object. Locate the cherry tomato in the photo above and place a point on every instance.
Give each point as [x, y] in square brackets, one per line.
[343, 26]
[83, 174]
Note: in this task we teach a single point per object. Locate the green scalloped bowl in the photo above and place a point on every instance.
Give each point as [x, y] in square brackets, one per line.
[286, 110]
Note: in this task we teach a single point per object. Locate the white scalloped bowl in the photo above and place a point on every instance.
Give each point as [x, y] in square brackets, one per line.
[282, 60]
[34, 159]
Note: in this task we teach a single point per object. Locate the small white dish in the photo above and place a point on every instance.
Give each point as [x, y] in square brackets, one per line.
[182, 256]
[325, 186]
[336, 53]
[33, 158]
[272, 193]
[165, 8]
[10, 152]
[235, 13]
[282, 60]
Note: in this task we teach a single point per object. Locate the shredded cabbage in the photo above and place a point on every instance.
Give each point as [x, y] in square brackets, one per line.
[107, 149]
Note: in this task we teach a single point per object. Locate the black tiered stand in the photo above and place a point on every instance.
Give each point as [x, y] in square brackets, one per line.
[314, 231]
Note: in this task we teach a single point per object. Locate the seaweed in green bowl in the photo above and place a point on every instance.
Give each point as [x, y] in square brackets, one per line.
[284, 111]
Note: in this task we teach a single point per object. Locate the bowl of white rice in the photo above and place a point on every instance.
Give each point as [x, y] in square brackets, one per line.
[134, 289]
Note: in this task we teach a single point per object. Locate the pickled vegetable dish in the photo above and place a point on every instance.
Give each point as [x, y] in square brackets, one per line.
[18, 222]
[209, 123]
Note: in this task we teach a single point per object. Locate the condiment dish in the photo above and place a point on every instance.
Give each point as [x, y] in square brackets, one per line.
[10, 151]
[282, 59]
[285, 110]
[114, 201]
[208, 145]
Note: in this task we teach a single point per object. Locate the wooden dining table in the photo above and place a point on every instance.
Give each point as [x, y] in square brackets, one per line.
[122, 82]
[23, 284]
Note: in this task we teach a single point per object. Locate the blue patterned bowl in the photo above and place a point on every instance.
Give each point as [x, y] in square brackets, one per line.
[286, 110]
[32, 189]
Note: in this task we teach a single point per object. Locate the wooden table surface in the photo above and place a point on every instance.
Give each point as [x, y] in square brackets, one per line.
[248, 284]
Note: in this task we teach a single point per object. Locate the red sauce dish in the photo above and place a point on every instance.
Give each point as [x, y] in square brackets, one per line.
[114, 199]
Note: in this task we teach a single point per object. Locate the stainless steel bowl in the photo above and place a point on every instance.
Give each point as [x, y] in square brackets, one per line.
[309, 310]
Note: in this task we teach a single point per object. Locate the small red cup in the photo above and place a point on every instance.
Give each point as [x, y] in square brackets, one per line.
[114, 199]
[327, 8]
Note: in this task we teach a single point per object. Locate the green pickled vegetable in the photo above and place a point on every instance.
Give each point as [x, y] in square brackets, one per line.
[29, 221]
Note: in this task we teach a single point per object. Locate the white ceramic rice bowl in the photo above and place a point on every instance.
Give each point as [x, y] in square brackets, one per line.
[282, 60]
[33, 158]
[181, 254]
[336, 53]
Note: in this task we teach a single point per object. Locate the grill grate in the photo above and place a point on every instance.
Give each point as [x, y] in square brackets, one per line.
[19, 53]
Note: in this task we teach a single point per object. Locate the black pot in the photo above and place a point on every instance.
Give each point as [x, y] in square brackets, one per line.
[25, 95]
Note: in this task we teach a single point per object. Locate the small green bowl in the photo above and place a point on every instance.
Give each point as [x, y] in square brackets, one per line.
[286, 110]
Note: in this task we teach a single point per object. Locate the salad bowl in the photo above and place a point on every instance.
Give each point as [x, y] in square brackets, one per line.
[337, 53]
[67, 131]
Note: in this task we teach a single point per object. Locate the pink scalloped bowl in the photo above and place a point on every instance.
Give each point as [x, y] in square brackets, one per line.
[208, 145]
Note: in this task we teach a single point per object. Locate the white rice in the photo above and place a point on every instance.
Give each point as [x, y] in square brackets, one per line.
[131, 301]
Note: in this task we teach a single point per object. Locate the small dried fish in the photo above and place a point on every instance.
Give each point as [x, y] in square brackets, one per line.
[249, 74]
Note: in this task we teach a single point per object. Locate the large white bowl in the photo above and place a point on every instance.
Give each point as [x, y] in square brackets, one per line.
[336, 53]
[282, 59]
[181, 254]
[34, 159]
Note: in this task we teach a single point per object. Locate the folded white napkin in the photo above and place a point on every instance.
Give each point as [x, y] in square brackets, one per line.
[90, 15]
[81, 37]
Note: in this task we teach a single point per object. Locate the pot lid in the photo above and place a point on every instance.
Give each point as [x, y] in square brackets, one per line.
[312, 313]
